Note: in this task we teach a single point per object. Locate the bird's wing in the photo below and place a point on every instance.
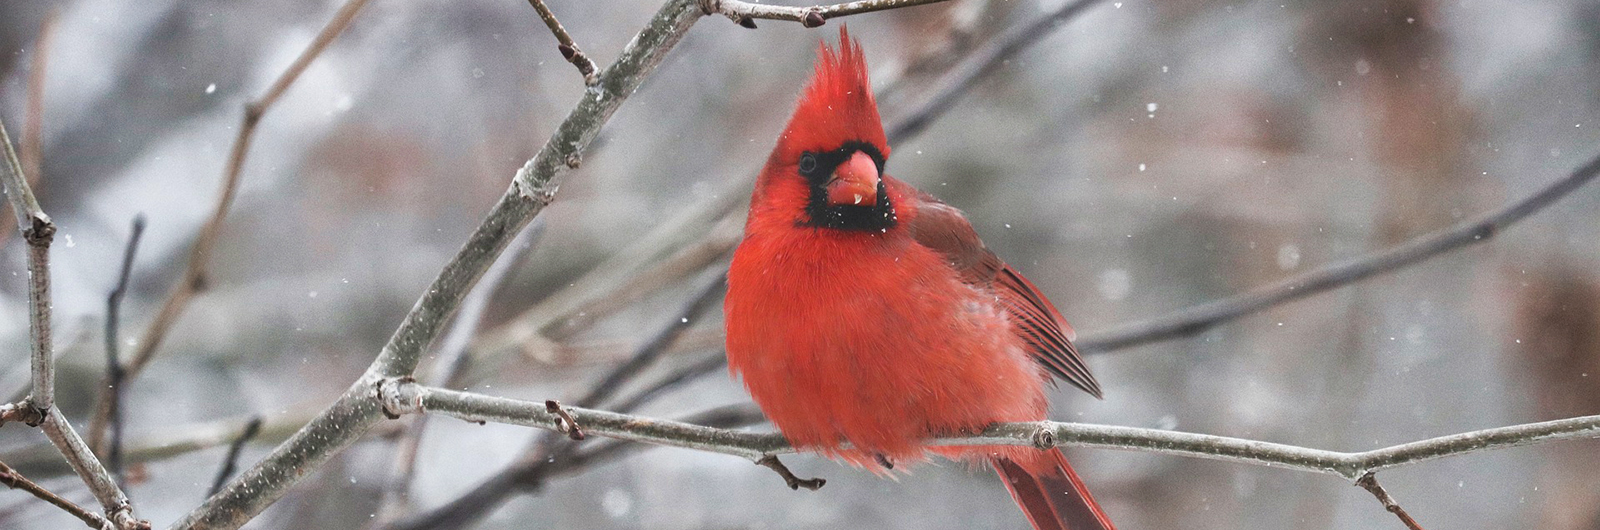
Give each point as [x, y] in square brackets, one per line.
[944, 229]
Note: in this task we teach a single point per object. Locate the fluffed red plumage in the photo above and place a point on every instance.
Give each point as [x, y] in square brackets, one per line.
[881, 331]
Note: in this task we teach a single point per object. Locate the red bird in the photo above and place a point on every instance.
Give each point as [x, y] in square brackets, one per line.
[863, 311]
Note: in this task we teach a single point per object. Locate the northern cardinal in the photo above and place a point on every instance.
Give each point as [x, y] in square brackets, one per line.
[862, 311]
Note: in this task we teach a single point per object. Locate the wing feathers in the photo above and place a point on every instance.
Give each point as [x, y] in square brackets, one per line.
[942, 228]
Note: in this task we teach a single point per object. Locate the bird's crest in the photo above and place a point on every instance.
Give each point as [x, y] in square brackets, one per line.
[837, 106]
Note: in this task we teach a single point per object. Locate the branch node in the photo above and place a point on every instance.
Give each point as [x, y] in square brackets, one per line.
[1044, 438]
[122, 518]
[391, 395]
[23, 411]
[794, 483]
[41, 231]
[564, 421]
[813, 18]
[574, 160]
[253, 112]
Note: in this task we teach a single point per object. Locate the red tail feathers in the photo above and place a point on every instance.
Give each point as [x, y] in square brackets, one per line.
[1055, 500]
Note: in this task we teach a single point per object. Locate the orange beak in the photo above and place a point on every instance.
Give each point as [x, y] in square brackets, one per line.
[855, 182]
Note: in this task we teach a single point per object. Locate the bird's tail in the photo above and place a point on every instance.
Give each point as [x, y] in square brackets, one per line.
[1054, 498]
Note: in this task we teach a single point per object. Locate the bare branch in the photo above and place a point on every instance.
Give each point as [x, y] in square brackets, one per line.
[231, 462]
[42, 461]
[789, 479]
[100, 483]
[1202, 317]
[1369, 482]
[743, 13]
[978, 65]
[408, 398]
[533, 187]
[194, 273]
[14, 480]
[114, 372]
[708, 365]
[38, 231]
[568, 48]
[704, 298]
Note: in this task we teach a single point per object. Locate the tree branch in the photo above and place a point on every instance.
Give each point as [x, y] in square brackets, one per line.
[1369, 482]
[533, 187]
[14, 480]
[231, 461]
[400, 397]
[743, 13]
[194, 276]
[114, 372]
[1202, 317]
[37, 230]
[100, 483]
[568, 47]
[978, 65]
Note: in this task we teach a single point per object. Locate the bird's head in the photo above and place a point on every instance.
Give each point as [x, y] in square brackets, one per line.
[828, 166]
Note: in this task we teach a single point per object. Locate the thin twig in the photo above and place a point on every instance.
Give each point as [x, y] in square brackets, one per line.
[708, 365]
[1369, 482]
[114, 372]
[231, 462]
[32, 146]
[703, 299]
[195, 275]
[789, 479]
[1204, 316]
[743, 13]
[532, 188]
[42, 461]
[634, 272]
[38, 231]
[112, 500]
[14, 480]
[686, 262]
[569, 49]
[473, 407]
[978, 65]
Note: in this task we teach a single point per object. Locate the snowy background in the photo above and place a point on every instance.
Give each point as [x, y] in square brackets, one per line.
[1148, 156]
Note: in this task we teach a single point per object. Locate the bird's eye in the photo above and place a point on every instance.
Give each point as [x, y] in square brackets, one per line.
[808, 163]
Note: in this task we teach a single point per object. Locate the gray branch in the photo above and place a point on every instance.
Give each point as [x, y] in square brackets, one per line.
[38, 231]
[744, 12]
[404, 397]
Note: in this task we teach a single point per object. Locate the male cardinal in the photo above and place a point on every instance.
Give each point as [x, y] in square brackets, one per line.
[862, 311]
